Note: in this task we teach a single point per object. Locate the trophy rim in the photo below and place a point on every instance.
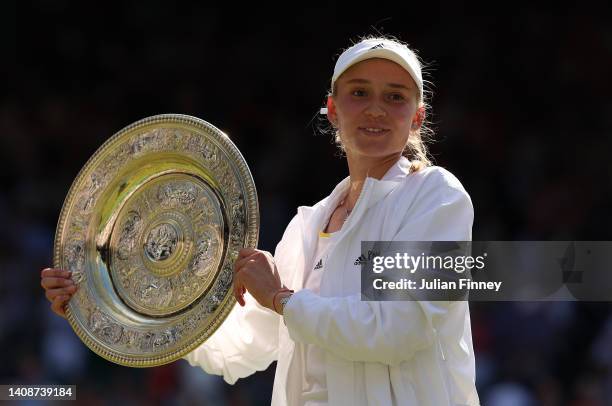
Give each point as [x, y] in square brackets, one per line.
[251, 235]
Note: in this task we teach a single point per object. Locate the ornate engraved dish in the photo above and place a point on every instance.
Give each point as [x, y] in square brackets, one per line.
[151, 228]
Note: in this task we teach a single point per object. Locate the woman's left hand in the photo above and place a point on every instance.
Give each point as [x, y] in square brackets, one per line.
[255, 271]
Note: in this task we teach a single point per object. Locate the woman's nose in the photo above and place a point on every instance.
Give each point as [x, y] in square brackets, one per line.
[375, 110]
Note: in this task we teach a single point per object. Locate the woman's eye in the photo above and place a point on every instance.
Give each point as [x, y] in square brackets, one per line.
[396, 97]
[359, 93]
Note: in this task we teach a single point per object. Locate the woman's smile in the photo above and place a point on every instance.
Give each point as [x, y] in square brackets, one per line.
[373, 131]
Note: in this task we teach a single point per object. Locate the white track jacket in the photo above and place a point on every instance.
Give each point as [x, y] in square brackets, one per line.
[377, 353]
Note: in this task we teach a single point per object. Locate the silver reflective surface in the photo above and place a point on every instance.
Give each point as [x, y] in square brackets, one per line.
[150, 229]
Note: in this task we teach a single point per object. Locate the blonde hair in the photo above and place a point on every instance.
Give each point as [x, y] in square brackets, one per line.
[416, 147]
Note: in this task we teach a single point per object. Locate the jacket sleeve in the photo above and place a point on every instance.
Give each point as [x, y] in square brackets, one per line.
[386, 332]
[244, 343]
[247, 341]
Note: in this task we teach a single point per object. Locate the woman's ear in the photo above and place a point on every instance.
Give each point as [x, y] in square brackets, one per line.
[419, 118]
[331, 112]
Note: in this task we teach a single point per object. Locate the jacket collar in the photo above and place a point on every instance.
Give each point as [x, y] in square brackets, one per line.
[373, 190]
[312, 219]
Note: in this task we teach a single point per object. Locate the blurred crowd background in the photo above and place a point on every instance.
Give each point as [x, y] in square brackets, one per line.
[521, 109]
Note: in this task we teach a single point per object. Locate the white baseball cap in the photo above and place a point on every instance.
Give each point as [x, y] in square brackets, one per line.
[379, 48]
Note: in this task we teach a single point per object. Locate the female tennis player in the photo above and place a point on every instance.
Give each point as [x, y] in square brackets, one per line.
[302, 307]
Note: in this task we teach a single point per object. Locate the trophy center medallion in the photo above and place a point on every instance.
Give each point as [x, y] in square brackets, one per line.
[161, 242]
[167, 244]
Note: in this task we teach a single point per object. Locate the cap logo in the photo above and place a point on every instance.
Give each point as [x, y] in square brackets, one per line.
[377, 46]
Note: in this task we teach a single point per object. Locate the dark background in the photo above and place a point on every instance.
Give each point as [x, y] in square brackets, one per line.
[522, 113]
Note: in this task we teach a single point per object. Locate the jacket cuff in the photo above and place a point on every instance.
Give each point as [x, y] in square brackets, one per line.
[293, 316]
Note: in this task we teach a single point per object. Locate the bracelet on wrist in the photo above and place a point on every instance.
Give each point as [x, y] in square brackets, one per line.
[281, 290]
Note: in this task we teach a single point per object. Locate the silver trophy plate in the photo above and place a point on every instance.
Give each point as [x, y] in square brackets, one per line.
[150, 229]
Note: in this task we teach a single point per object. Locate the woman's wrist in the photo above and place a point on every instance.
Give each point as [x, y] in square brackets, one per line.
[278, 303]
[282, 302]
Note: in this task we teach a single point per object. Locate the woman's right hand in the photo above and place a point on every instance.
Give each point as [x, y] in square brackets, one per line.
[59, 288]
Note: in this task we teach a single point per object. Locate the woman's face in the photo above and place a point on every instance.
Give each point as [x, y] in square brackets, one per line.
[375, 108]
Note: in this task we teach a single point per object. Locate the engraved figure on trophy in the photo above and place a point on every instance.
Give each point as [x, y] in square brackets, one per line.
[130, 230]
[206, 250]
[141, 143]
[153, 292]
[161, 242]
[183, 194]
[104, 327]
